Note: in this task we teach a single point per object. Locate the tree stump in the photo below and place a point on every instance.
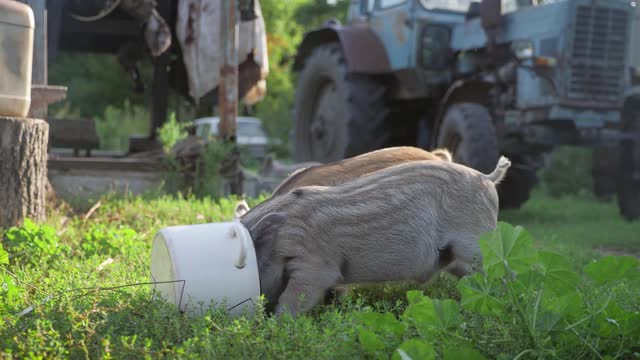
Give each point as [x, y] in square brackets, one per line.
[23, 169]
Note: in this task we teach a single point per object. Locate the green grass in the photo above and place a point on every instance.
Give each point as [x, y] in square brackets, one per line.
[582, 223]
[66, 254]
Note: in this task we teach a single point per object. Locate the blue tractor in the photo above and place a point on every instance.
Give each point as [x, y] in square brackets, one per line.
[482, 78]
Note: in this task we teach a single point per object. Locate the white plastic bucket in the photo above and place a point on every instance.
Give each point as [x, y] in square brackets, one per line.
[16, 58]
[206, 264]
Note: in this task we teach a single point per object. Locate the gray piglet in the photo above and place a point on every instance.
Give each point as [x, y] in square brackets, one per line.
[405, 222]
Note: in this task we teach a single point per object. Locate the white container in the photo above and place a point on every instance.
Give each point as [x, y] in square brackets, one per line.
[16, 58]
[210, 264]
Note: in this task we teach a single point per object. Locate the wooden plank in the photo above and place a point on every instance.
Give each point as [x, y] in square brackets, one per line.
[104, 164]
[106, 26]
[44, 95]
[76, 134]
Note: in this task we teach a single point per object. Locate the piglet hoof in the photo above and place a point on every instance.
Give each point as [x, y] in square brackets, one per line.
[284, 310]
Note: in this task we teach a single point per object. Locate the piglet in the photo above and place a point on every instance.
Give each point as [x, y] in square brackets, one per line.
[339, 172]
[405, 222]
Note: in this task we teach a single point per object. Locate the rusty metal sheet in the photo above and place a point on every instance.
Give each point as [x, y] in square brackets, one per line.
[364, 51]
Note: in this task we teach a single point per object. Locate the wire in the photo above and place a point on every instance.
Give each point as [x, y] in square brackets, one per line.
[101, 14]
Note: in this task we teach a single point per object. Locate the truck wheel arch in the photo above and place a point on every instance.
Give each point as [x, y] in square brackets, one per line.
[364, 52]
[469, 91]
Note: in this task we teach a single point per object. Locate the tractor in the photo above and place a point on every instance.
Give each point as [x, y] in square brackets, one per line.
[481, 78]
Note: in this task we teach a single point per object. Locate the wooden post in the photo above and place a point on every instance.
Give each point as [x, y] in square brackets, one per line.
[228, 89]
[159, 94]
[39, 70]
[23, 169]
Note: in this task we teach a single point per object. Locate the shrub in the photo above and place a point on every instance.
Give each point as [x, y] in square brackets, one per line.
[34, 244]
[535, 298]
[116, 125]
[171, 132]
[567, 172]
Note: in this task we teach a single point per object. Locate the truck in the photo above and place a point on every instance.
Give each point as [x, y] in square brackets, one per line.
[481, 78]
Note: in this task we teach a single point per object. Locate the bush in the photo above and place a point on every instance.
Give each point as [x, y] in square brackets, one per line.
[95, 81]
[568, 172]
[209, 179]
[171, 132]
[33, 244]
[535, 298]
[206, 179]
[116, 125]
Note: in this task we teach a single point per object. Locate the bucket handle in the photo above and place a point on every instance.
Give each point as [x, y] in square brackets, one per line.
[244, 244]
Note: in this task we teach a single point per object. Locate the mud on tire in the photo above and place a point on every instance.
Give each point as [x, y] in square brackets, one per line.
[467, 130]
[337, 114]
[516, 187]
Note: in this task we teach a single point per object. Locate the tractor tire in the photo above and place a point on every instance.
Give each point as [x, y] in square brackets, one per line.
[603, 169]
[629, 171]
[467, 131]
[337, 114]
[516, 187]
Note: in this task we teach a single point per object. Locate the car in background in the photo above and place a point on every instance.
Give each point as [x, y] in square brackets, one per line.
[249, 133]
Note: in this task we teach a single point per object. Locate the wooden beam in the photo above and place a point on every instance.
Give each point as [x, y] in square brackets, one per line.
[159, 94]
[105, 26]
[104, 164]
[73, 133]
[44, 95]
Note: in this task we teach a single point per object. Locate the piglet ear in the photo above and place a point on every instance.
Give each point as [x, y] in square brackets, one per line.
[269, 223]
[241, 208]
[443, 154]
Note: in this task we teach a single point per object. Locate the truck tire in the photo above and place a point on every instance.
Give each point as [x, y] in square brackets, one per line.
[467, 131]
[516, 187]
[337, 114]
[629, 170]
[603, 169]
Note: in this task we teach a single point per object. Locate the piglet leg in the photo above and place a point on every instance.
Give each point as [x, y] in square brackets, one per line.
[306, 288]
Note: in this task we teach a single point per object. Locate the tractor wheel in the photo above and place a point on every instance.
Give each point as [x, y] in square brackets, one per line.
[604, 167]
[516, 187]
[467, 131]
[337, 114]
[629, 171]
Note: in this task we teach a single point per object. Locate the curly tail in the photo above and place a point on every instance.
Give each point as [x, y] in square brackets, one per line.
[500, 171]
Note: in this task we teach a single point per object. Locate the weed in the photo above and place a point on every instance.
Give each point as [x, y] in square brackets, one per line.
[171, 132]
[33, 244]
[116, 125]
[209, 176]
[568, 172]
[554, 311]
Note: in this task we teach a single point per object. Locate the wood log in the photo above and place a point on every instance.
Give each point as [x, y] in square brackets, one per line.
[23, 169]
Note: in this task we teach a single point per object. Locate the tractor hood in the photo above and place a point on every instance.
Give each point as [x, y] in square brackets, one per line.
[539, 22]
[588, 41]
